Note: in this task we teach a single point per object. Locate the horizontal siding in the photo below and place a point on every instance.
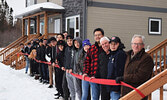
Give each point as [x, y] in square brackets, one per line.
[124, 23]
[59, 2]
[149, 3]
[41, 1]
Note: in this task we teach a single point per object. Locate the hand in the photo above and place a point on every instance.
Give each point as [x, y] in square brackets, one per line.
[53, 64]
[70, 71]
[119, 79]
[63, 68]
[83, 76]
[92, 77]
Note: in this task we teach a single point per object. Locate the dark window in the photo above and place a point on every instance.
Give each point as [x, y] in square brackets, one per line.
[155, 25]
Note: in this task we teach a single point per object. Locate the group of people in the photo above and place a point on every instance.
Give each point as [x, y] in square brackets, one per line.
[105, 59]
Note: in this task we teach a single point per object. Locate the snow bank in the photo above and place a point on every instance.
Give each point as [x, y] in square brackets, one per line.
[16, 85]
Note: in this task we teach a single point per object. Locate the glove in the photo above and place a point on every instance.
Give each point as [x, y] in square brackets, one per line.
[119, 79]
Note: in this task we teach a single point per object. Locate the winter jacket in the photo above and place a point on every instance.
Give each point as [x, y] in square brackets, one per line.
[68, 57]
[115, 67]
[81, 60]
[102, 64]
[91, 61]
[41, 53]
[54, 53]
[137, 70]
[60, 58]
[75, 55]
[28, 51]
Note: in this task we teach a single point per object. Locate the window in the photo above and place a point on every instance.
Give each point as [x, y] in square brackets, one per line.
[155, 25]
[57, 26]
[73, 25]
[30, 2]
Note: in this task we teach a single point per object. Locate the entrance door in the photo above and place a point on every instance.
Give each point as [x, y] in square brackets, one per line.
[73, 25]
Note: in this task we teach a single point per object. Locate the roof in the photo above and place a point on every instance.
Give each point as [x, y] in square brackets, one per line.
[46, 6]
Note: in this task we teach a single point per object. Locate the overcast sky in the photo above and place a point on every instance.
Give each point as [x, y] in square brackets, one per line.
[17, 5]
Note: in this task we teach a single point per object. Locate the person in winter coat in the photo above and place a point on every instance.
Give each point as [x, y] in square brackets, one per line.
[116, 65]
[59, 72]
[28, 50]
[74, 84]
[102, 66]
[67, 63]
[91, 63]
[138, 67]
[48, 58]
[85, 85]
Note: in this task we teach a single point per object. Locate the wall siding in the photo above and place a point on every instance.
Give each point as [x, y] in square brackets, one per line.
[124, 23]
[149, 3]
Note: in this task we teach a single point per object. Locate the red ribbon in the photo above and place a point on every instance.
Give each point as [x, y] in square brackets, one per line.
[96, 80]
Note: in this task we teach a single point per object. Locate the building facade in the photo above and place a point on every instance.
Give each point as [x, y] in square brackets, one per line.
[117, 18]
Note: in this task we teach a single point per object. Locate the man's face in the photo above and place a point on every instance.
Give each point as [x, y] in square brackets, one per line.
[97, 36]
[137, 45]
[59, 37]
[114, 46]
[44, 42]
[65, 34]
[76, 44]
[105, 45]
[53, 43]
[69, 42]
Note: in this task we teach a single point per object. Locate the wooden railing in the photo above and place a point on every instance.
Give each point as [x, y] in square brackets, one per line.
[159, 78]
[10, 48]
[148, 87]
[18, 60]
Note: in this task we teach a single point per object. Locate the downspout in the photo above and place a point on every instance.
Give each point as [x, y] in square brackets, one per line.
[84, 19]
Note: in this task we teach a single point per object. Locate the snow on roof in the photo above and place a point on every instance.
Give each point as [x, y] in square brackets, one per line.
[38, 7]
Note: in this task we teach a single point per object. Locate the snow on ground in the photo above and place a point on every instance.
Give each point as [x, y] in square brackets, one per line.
[16, 85]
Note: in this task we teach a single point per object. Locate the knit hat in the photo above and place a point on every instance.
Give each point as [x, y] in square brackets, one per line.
[115, 39]
[86, 42]
[61, 42]
[69, 37]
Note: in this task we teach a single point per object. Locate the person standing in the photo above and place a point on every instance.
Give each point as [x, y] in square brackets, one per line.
[74, 84]
[91, 62]
[138, 67]
[59, 72]
[116, 65]
[85, 85]
[102, 66]
[67, 63]
[28, 51]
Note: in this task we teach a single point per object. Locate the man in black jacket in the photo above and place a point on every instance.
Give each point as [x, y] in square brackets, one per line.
[102, 66]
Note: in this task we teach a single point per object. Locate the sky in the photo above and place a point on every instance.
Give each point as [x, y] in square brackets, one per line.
[17, 5]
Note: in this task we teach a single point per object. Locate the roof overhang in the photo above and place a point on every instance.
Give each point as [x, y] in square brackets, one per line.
[46, 6]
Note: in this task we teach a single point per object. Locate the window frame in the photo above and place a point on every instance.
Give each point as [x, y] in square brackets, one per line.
[75, 29]
[160, 26]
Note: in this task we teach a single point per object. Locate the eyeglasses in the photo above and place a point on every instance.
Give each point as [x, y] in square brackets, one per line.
[138, 44]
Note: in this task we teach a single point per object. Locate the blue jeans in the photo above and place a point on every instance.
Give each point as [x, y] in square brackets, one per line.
[85, 89]
[27, 63]
[95, 91]
[114, 95]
